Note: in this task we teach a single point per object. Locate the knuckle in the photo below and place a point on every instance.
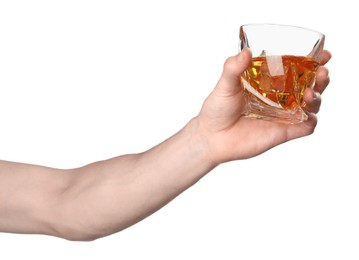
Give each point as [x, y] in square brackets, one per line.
[323, 72]
[230, 64]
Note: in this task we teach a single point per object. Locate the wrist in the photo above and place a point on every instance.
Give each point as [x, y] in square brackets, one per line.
[200, 143]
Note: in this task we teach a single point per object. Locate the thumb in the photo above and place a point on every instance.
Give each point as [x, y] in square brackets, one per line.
[233, 68]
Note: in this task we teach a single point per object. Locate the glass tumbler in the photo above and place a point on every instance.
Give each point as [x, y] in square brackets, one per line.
[284, 64]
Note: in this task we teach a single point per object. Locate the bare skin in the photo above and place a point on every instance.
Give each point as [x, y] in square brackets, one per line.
[108, 196]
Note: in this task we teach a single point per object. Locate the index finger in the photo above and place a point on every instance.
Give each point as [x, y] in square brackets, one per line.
[326, 56]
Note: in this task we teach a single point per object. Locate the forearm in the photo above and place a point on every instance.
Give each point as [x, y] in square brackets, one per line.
[108, 196]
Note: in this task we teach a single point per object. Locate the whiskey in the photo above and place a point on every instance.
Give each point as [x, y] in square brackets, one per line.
[280, 81]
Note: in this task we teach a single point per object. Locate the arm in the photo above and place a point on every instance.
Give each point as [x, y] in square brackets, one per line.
[107, 196]
[103, 197]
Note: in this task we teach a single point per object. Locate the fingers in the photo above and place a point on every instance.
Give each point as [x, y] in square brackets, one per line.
[326, 56]
[232, 71]
[322, 79]
[312, 97]
[312, 101]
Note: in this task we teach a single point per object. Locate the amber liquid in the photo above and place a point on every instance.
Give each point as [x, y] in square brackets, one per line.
[281, 79]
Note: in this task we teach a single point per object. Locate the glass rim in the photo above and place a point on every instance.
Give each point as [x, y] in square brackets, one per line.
[283, 25]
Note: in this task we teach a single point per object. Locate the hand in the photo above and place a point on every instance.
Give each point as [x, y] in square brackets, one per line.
[229, 135]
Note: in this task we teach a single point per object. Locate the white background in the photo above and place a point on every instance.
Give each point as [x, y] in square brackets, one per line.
[82, 81]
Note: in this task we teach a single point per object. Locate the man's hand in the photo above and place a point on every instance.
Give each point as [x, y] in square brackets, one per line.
[229, 135]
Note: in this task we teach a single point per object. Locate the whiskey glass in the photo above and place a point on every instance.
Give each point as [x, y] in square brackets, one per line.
[284, 64]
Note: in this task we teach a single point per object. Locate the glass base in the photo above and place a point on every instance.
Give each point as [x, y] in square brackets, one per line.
[258, 110]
